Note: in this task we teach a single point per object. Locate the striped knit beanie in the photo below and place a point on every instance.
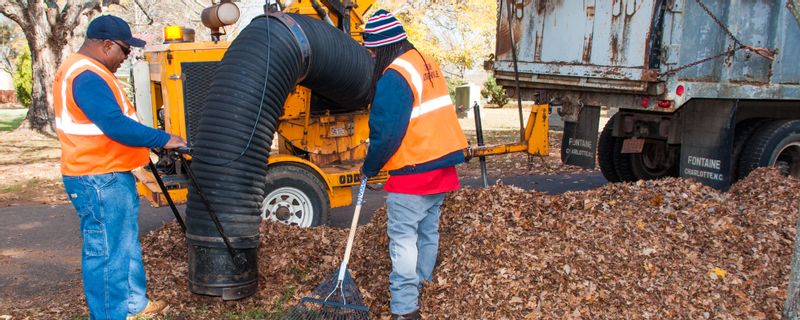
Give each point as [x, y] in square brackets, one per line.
[383, 29]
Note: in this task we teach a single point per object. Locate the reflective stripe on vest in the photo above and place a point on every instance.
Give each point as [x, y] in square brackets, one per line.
[64, 121]
[432, 105]
[433, 130]
[416, 78]
[85, 150]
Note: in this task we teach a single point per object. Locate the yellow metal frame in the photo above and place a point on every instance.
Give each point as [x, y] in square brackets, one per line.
[536, 137]
[338, 180]
[166, 77]
[148, 188]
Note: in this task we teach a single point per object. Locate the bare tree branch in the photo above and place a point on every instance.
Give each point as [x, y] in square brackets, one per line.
[68, 19]
[51, 4]
[146, 14]
[12, 11]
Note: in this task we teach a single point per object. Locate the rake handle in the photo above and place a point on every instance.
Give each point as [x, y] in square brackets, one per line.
[352, 234]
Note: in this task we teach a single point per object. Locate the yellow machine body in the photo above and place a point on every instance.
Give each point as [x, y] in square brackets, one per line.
[331, 146]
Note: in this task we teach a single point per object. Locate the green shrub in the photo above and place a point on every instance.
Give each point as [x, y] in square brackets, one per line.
[23, 78]
[495, 93]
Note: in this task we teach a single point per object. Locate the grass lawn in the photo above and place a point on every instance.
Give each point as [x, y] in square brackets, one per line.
[10, 119]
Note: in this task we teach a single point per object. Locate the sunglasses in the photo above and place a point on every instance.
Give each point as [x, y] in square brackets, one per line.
[125, 49]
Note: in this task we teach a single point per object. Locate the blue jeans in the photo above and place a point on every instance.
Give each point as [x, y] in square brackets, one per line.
[111, 258]
[413, 229]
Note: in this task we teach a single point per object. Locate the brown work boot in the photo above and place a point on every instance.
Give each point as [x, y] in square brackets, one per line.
[414, 315]
[154, 307]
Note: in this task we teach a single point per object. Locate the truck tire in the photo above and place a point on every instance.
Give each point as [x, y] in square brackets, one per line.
[744, 131]
[622, 162]
[295, 196]
[605, 153]
[776, 143]
[657, 160]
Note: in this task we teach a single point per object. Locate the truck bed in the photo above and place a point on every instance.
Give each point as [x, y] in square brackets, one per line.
[650, 47]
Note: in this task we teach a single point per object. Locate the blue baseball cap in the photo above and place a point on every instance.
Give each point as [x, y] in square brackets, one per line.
[112, 28]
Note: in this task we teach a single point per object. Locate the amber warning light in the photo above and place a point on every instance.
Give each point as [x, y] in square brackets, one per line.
[173, 34]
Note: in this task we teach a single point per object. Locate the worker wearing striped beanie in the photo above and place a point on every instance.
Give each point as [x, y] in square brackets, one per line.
[415, 136]
[383, 29]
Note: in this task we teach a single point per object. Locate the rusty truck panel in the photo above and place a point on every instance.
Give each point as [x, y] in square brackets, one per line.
[733, 49]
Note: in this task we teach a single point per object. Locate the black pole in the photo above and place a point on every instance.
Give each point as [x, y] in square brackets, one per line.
[479, 134]
[164, 190]
[238, 259]
[516, 72]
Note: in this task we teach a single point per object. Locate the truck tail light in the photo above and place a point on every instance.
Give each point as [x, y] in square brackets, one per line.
[679, 90]
[664, 104]
[645, 102]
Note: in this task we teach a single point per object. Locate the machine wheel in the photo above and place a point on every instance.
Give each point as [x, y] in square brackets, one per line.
[605, 152]
[744, 131]
[776, 143]
[657, 160]
[295, 196]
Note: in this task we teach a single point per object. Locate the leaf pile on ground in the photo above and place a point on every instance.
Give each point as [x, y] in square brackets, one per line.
[670, 248]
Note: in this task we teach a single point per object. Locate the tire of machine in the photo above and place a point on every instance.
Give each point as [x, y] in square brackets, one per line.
[642, 172]
[777, 140]
[298, 182]
[744, 131]
[605, 152]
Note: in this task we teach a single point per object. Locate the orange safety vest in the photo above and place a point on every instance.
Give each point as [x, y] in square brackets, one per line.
[433, 130]
[85, 150]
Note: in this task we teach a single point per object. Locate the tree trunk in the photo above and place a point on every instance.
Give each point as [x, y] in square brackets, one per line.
[41, 116]
[48, 30]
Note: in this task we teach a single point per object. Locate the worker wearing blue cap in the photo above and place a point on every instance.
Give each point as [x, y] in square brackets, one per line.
[101, 142]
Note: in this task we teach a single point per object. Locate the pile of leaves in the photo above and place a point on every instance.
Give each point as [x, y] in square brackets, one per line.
[671, 248]
[648, 250]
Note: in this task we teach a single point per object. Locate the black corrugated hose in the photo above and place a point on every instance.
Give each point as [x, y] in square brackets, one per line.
[259, 70]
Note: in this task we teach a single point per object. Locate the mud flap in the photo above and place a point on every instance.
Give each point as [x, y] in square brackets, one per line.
[707, 142]
[579, 143]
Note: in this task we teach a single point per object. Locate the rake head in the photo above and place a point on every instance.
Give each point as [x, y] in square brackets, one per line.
[331, 300]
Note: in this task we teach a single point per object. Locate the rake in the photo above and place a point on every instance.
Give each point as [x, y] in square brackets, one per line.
[338, 296]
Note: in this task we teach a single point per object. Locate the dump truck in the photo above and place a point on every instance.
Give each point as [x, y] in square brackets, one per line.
[706, 89]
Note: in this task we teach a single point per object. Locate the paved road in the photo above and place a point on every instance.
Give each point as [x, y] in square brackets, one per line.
[40, 245]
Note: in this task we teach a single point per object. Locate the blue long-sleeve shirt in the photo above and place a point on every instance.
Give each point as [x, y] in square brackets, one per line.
[95, 98]
[388, 120]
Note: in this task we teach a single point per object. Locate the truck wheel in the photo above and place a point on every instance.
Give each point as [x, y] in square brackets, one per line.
[777, 143]
[622, 162]
[744, 131]
[657, 160]
[295, 196]
[605, 153]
